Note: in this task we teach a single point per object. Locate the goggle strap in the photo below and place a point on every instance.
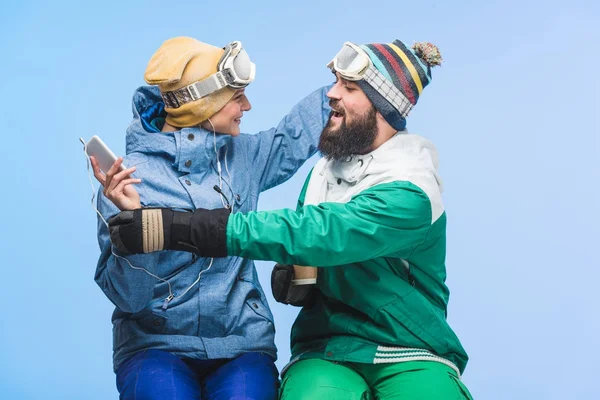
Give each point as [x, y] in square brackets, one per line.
[208, 85]
[197, 90]
[389, 92]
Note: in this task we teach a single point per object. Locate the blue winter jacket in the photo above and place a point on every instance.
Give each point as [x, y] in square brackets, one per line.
[226, 313]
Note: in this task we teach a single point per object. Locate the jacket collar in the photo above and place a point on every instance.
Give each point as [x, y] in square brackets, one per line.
[403, 150]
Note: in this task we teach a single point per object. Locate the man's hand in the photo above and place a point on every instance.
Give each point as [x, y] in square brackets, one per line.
[140, 231]
[145, 230]
[284, 290]
[118, 185]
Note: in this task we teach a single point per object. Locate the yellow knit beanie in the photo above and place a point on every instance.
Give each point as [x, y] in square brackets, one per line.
[182, 61]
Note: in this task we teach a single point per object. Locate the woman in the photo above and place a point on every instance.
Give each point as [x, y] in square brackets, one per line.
[186, 326]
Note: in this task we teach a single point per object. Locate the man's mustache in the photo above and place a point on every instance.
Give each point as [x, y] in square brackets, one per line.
[335, 106]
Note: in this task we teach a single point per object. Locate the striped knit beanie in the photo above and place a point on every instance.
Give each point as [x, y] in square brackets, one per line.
[409, 69]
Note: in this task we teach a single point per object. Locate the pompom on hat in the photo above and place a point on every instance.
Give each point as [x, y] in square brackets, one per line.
[179, 62]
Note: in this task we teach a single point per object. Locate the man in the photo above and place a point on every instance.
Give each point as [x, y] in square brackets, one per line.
[370, 217]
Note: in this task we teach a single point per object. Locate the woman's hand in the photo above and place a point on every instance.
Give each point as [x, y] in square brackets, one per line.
[118, 185]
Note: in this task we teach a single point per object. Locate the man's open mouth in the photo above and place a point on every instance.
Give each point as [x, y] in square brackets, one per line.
[337, 114]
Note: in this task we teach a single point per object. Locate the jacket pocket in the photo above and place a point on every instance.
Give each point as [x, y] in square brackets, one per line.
[413, 314]
[153, 324]
[260, 309]
[254, 297]
[249, 315]
[140, 324]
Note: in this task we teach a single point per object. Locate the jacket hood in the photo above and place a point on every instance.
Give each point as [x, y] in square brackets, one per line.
[147, 104]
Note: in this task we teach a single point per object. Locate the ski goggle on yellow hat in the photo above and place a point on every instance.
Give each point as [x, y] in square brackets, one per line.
[234, 70]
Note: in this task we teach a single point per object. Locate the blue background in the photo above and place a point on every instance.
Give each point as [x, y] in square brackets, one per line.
[513, 111]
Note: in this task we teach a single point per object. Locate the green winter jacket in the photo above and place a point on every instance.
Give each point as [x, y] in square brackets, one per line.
[375, 227]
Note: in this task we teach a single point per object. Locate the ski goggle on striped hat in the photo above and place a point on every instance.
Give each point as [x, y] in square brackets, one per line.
[397, 73]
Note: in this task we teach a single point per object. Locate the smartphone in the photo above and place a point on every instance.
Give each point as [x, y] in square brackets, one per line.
[105, 157]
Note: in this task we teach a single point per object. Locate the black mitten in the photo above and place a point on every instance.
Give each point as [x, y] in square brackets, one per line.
[154, 229]
[141, 231]
[287, 293]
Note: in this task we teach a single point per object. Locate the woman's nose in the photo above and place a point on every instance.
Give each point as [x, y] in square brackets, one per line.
[246, 105]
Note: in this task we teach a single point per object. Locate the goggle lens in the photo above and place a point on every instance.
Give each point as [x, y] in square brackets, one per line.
[350, 62]
[345, 58]
[242, 65]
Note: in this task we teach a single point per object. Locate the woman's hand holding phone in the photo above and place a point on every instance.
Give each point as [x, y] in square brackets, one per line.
[118, 185]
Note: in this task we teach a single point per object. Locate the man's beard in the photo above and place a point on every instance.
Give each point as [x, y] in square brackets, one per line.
[349, 139]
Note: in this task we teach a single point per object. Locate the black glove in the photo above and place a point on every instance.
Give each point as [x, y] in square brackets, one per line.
[286, 293]
[154, 229]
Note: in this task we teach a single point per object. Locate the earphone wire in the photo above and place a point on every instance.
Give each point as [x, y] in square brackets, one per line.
[230, 184]
[224, 201]
[171, 294]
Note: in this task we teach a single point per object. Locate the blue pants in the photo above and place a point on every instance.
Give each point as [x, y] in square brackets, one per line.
[157, 374]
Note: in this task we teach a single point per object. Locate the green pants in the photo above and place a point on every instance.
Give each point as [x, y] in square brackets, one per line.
[412, 380]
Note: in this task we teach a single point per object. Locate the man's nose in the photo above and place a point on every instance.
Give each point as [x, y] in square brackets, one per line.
[334, 92]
